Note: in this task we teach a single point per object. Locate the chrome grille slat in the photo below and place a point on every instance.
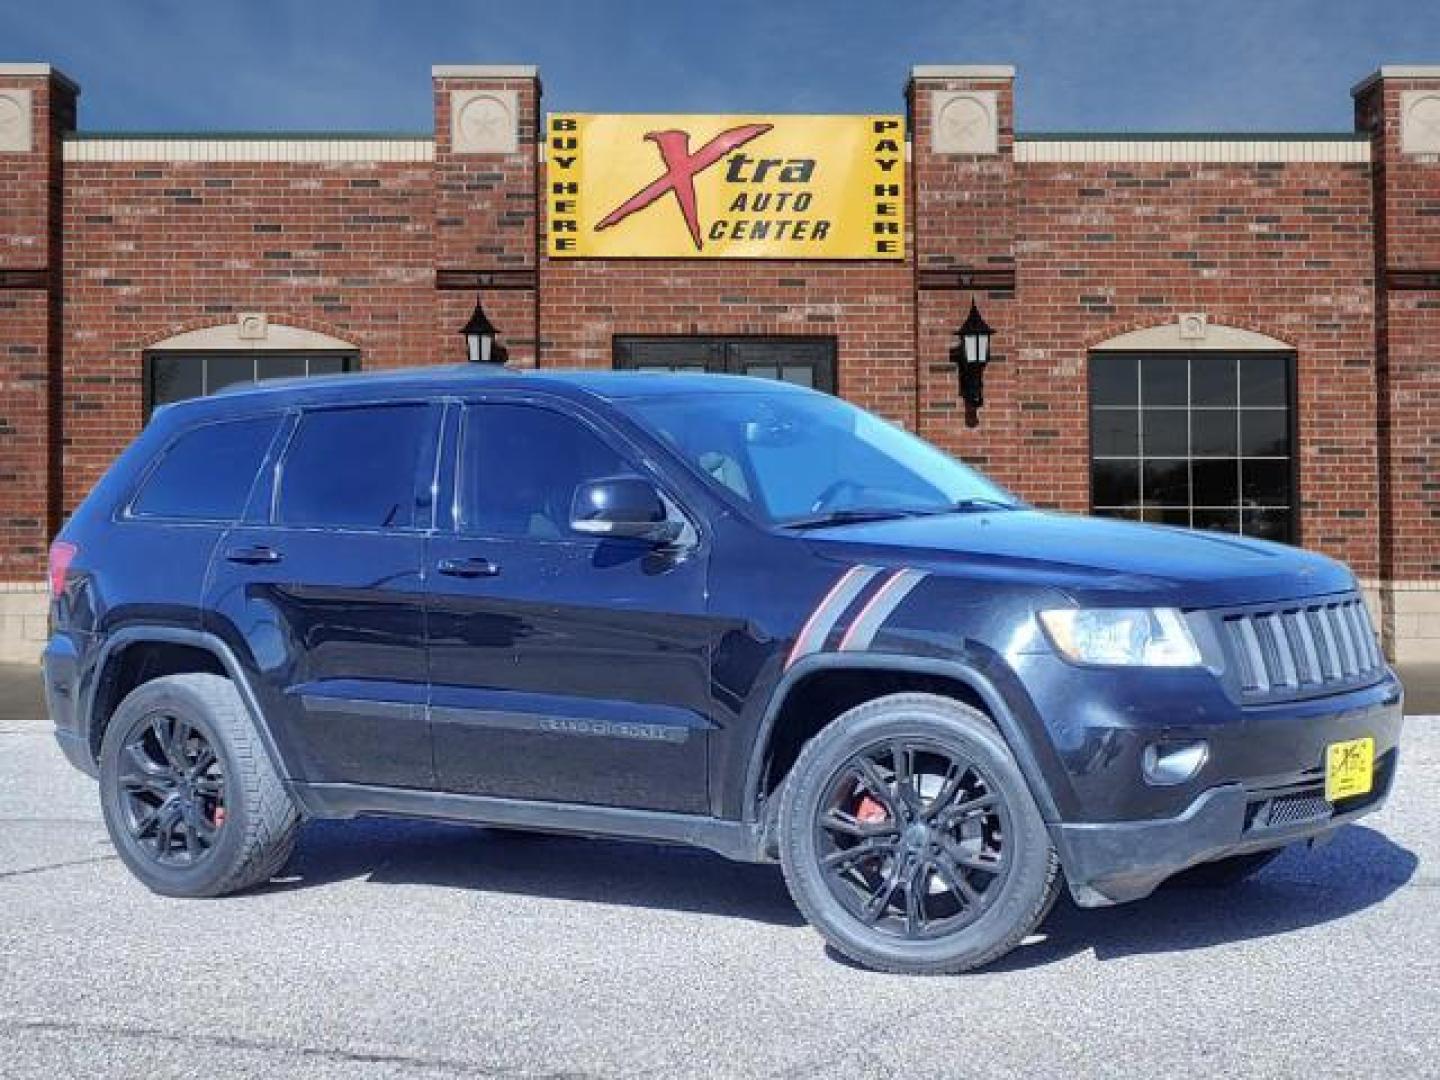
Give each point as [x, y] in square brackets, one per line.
[1283, 653]
[1372, 639]
[1342, 612]
[1311, 655]
[1241, 654]
[1373, 636]
[1255, 658]
[1342, 634]
[1327, 638]
[1364, 640]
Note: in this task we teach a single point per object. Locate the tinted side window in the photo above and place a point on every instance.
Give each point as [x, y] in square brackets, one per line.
[355, 467]
[206, 474]
[521, 466]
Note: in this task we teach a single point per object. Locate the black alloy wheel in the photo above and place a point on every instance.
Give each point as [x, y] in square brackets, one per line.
[172, 787]
[912, 838]
[191, 797]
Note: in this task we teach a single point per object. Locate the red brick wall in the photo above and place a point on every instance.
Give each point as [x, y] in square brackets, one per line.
[1407, 209]
[31, 250]
[158, 248]
[1092, 250]
[1104, 248]
[349, 249]
[867, 307]
[1281, 249]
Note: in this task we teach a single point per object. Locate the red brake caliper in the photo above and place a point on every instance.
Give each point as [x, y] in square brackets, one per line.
[870, 811]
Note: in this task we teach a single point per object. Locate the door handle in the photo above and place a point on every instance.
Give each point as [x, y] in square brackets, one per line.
[253, 556]
[467, 568]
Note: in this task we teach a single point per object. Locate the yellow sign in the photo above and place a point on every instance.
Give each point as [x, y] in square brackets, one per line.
[1349, 768]
[730, 187]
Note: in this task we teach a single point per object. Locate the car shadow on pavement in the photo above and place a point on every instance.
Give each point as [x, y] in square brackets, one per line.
[1304, 887]
[669, 877]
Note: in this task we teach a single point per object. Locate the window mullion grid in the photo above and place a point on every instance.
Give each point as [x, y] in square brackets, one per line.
[1140, 434]
[1239, 453]
[1189, 443]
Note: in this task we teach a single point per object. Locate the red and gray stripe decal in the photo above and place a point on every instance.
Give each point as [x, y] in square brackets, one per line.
[841, 597]
[879, 608]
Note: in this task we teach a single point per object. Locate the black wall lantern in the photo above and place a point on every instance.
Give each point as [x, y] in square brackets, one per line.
[970, 355]
[480, 344]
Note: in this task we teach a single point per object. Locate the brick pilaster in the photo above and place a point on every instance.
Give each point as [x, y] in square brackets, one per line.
[37, 106]
[1400, 108]
[487, 123]
[964, 196]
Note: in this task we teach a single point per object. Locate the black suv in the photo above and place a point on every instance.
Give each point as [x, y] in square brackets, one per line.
[710, 610]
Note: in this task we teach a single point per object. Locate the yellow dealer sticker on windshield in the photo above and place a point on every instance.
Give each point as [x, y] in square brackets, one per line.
[1349, 768]
[725, 187]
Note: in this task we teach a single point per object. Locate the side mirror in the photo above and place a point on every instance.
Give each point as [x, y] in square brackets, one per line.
[622, 506]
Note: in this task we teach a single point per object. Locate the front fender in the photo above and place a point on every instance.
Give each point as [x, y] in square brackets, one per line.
[964, 672]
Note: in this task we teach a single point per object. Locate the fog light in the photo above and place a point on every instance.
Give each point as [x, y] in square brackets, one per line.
[1173, 763]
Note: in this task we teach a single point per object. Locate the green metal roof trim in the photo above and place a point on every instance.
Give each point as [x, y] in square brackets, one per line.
[252, 136]
[1192, 136]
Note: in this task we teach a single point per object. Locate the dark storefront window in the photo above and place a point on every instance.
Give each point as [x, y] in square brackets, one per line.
[171, 377]
[1199, 439]
[806, 361]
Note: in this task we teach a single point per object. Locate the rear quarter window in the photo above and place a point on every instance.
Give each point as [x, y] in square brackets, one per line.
[206, 474]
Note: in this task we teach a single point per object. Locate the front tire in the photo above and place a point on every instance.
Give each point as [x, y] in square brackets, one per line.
[190, 797]
[911, 841]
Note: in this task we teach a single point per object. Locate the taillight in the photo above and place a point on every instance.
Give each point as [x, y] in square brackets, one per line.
[61, 555]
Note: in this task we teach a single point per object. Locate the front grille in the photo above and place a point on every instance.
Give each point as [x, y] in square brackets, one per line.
[1301, 647]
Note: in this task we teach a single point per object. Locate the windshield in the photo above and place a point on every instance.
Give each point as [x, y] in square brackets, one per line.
[802, 459]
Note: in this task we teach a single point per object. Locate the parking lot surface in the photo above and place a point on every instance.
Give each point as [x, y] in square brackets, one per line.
[394, 948]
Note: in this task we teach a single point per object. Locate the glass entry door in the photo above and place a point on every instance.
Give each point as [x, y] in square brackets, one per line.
[805, 361]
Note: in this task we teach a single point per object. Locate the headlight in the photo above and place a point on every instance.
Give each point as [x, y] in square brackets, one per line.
[1126, 637]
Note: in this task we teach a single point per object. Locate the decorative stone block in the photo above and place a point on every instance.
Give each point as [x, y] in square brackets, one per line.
[965, 122]
[1193, 326]
[484, 122]
[16, 135]
[1420, 121]
[252, 325]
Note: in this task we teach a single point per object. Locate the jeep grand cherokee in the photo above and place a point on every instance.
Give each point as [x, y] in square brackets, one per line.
[697, 609]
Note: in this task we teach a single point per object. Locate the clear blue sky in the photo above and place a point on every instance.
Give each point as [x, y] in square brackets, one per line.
[364, 64]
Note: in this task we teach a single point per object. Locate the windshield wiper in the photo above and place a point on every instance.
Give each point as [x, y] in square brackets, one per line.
[965, 506]
[854, 514]
[848, 516]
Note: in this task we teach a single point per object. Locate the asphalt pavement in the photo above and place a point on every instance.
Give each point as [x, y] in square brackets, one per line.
[405, 949]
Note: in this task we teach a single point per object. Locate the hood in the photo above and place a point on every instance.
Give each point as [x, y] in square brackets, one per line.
[1094, 559]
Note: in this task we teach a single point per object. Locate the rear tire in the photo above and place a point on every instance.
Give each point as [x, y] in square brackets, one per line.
[910, 840]
[1224, 873]
[191, 800]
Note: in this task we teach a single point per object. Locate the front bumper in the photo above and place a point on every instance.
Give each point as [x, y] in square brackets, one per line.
[1115, 862]
[1261, 786]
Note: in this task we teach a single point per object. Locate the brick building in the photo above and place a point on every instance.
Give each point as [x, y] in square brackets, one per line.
[1224, 331]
